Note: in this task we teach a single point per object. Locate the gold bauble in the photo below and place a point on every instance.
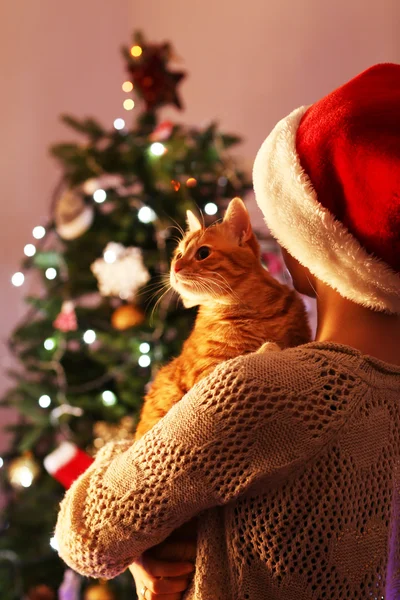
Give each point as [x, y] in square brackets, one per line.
[23, 471]
[99, 591]
[127, 316]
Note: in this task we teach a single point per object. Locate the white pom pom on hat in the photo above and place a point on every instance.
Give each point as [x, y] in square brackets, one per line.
[327, 180]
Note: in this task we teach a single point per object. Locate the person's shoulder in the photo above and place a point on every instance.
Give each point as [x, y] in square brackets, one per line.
[293, 369]
[269, 365]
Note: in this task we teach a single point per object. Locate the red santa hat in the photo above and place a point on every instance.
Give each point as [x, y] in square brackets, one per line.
[328, 182]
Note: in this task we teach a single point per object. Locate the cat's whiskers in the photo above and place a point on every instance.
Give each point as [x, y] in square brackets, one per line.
[228, 286]
[157, 281]
[158, 288]
[175, 239]
[176, 226]
[313, 288]
[168, 290]
[152, 287]
[207, 286]
[223, 286]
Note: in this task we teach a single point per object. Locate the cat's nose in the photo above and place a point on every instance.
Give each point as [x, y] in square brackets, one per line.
[178, 266]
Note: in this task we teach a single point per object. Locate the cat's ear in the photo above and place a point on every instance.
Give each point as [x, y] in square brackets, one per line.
[192, 222]
[238, 220]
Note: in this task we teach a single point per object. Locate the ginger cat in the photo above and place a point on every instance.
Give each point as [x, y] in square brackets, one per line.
[241, 307]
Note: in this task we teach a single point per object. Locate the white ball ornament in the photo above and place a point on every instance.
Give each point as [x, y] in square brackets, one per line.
[73, 217]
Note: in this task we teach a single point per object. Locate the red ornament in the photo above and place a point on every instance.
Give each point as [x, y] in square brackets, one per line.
[162, 132]
[40, 592]
[152, 80]
[66, 320]
[66, 463]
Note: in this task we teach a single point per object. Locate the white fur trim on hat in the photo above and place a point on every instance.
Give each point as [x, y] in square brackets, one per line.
[309, 232]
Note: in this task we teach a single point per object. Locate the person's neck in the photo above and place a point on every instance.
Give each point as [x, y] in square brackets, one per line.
[345, 322]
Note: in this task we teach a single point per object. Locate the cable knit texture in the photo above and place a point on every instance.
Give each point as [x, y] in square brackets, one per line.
[292, 458]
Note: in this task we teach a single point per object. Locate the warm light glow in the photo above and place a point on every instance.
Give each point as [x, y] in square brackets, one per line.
[99, 196]
[119, 123]
[109, 256]
[109, 398]
[176, 185]
[127, 86]
[210, 208]
[18, 279]
[25, 476]
[128, 104]
[29, 250]
[54, 544]
[38, 232]
[157, 149]
[49, 344]
[136, 51]
[1, 462]
[144, 360]
[51, 273]
[44, 401]
[146, 214]
[144, 348]
[191, 182]
[89, 336]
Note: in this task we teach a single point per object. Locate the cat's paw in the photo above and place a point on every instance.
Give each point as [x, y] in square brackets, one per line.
[268, 347]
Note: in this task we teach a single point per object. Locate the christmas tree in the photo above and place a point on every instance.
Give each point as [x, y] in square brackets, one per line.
[103, 321]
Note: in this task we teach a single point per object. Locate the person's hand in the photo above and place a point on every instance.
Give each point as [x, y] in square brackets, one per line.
[158, 576]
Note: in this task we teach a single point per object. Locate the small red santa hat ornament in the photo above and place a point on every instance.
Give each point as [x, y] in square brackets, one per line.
[66, 463]
[327, 179]
[66, 319]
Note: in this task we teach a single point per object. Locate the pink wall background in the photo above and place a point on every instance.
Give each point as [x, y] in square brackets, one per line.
[249, 64]
[54, 57]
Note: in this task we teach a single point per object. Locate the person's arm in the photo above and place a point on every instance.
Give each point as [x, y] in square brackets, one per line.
[234, 429]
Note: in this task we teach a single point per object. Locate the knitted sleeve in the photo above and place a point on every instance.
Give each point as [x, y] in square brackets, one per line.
[251, 422]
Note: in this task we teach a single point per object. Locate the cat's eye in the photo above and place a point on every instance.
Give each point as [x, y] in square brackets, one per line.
[203, 253]
[178, 255]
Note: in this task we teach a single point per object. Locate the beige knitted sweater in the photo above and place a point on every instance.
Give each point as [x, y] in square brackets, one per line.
[293, 459]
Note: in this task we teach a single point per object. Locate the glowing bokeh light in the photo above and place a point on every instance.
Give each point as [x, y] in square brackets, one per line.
[49, 344]
[128, 104]
[136, 51]
[144, 360]
[146, 214]
[109, 398]
[119, 123]
[44, 401]
[51, 273]
[18, 279]
[127, 86]
[99, 196]
[29, 250]
[38, 232]
[157, 149]
[210, 208]
[89, 336]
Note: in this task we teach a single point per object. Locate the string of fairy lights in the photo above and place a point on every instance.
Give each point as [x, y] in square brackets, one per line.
[25, 475]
